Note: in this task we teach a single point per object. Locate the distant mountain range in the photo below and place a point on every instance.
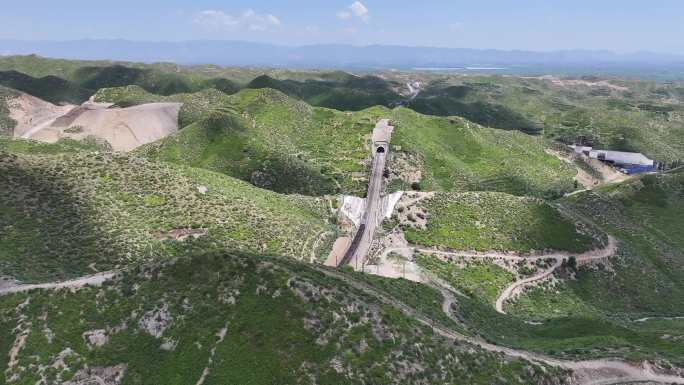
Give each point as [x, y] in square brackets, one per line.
[240, 53]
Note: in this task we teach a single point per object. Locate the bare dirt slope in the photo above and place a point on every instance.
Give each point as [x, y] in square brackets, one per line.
[123, 128]
[30, 112]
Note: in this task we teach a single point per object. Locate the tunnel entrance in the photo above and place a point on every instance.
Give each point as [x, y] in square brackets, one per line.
[380, 150]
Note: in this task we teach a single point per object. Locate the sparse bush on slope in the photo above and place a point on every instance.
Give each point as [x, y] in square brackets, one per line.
[314, 150]
[7, 124]
[340, 91]
[49, 88]
[623, 115]
[247, 320]
[275, 142]
[460, 155]
[496, 221]
[646, 214]
[62, 213]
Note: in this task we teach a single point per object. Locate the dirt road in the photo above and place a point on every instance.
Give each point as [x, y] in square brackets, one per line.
[94, 280]
[593, 372]
[558, 257]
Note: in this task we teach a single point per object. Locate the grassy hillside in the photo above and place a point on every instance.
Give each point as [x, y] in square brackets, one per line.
[342, 92]
[580, 335]
[628, 115]
[455, 154]
[495, 221]
[150, 79]
[7, 124]
[71, 212]
[277, 142]
[593, 310]
[59, 81]
[482, 280]
[646, 214]
[239, 320]
[50, 88]
[38, 66]
[62, 146]
[618, 114]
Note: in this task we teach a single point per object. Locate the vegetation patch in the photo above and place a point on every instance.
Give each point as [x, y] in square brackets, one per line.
[459, 155]
[577, 336]
[241, 320]
[496, 221]
[67, 213]
[539, 304]
[646, 215]
[7, 124]
[481, 279]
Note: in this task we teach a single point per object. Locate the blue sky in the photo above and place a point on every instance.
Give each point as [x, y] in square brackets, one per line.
[622, 26]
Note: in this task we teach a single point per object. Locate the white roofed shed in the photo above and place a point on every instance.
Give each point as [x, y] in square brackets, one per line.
[621, 158]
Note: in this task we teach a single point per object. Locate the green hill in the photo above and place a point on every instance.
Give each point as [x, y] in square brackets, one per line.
[496, 222]
[646, 213]
[66, 81]
[277, 142]
[50, 88]
[234, 319]
[456, 155]
[7, 124]
[337, 90]
[628, 115]
[603, 308]
[65, 212]
[617, 114]
[150, 79]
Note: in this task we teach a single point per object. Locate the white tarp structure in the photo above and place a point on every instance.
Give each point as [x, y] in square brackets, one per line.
[622, 158]
[617, 157]
[353, 207]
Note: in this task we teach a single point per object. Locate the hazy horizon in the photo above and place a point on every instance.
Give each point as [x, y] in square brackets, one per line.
[359, 45]
[527, 25]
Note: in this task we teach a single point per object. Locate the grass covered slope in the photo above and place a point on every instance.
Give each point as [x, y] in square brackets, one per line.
[646, 214]
[238, 320]
[64, 215]
[600, 309]
[7, 124]
[49, 88]
[480, 279]
[455, 154]
[77, 81]
[341, 91]
[277, 142]
[628, 115]
[496, 222]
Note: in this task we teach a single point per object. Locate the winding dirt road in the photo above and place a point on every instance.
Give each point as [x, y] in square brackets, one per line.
[592, 372]
[94, 280]
[513, 288]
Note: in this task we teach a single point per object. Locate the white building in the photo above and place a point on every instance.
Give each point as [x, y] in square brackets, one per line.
[619, 158]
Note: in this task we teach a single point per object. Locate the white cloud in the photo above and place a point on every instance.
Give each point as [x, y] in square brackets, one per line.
[249, 20]
[360, 10]
[356, 9]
